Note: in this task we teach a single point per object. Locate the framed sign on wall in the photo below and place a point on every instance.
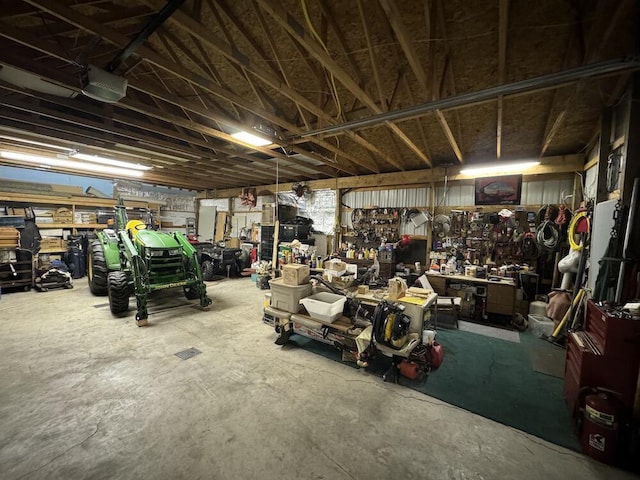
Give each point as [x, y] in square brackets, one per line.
[498, 190]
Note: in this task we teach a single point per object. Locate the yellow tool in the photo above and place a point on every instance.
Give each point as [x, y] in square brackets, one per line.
[574, 305]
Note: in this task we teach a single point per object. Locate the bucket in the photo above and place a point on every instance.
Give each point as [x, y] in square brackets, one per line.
[538, 308]
[428, 336]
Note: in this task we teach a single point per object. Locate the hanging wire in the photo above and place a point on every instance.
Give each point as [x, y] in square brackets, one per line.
[278, 181]
[332, 82]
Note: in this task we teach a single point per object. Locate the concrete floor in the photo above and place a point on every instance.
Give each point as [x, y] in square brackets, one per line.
[87, 395]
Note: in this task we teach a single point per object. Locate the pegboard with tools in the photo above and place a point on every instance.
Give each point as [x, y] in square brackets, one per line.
[376, 225]
[500, 237]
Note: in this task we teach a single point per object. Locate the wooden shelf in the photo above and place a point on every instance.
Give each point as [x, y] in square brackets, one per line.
[31, 198]
[51, 250]
[72, 225]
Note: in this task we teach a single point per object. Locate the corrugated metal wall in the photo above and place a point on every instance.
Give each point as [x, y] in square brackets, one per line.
[459, 194]
[402, 198]
[320, 205]
[591, 183]
[408, 197]
[542, 192]
[534, 192]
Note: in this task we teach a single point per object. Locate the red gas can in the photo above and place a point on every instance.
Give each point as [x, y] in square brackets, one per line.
[601, 427]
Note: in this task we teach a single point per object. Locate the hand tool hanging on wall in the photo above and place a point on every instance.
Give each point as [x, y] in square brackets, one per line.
[626, 253]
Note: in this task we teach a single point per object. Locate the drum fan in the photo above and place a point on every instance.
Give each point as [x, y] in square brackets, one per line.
[441, 225]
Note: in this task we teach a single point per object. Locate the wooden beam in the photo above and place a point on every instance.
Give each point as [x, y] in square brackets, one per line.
[84, 23]
[120, 135]
[286, 21]
[604, 147]
[188, 24]
[260, 94]
[242, 30]
[402, 79]
[105, 18]
[418, 122]
[372, 58]
[11, 9]
[593, 46]
[145, 87]
[404, 38]
[222, 164]
[448, 69]
[418, 178]
[346, 52]
[276, 54]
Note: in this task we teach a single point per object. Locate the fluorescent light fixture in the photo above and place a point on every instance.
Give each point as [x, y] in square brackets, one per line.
[251, 139]
[499, 168]
[57, 162]
[34, 142]
[109, 161]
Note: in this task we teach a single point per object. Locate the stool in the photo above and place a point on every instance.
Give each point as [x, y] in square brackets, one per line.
[449, 304]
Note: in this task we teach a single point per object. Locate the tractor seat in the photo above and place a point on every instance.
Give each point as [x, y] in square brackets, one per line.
[133, 226]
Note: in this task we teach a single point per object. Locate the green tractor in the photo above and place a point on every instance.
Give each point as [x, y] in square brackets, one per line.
[135, 259]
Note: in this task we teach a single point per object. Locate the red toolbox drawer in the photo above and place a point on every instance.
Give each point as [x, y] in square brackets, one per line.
[615, 336]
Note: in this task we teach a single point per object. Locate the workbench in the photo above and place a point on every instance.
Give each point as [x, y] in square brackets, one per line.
[344, 332]
[500, 294]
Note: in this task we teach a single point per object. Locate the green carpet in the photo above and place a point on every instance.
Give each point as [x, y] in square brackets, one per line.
[493, 378]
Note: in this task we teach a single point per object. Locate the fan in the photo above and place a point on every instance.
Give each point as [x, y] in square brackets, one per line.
[441, 225]
[300, 189]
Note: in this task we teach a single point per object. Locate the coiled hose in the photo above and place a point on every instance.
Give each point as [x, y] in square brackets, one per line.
[547, 235]
[572, 229]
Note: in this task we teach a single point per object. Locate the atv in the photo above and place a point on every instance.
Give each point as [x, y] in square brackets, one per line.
[135, 259]
[215, 259]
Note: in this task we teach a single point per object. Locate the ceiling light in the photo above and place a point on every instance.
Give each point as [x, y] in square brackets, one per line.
[34, 142]
[498, 168]
[251, 139]
[71, 164]
[109, 161]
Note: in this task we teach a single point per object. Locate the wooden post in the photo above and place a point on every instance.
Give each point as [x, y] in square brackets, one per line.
[604, 147]
[337, 238]
[274, 254]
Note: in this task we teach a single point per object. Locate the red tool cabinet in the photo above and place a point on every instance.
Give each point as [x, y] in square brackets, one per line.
[606, 355]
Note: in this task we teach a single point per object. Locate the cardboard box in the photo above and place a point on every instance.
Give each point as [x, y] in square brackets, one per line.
[22, 212]
[397, 288]
[336, 266]
[295, 274]
[53, 244]
[232, 243]
[9, 237]
[63, 215]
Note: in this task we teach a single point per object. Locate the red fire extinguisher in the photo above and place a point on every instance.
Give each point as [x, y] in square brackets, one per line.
[601, 427]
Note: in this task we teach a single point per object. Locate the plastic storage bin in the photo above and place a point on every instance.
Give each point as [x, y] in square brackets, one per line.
[540, 325]
[287, 297]
[324, 306]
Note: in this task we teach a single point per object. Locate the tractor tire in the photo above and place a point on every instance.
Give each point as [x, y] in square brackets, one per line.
[118, 287]
[97, 269]
[208, 271]
[191, 293]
